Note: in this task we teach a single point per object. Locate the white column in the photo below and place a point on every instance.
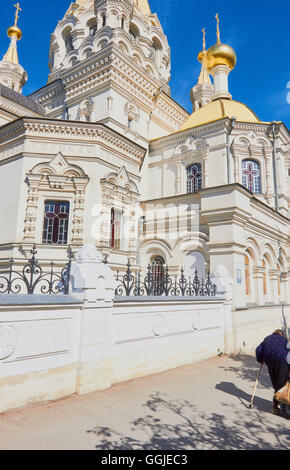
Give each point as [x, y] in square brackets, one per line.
[220, 276]
[220, 75]
[95, 284]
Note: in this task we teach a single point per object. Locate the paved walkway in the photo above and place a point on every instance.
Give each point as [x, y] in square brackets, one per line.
[199, 406]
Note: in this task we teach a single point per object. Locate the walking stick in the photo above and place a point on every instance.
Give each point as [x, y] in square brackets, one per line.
[255, 388]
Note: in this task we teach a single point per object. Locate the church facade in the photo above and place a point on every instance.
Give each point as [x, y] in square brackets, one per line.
[102, 154]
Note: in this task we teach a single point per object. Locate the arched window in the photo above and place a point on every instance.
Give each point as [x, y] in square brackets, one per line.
[123, 22]
[194, 178]
[251, 177]
[104, 20]
[279, 279]
[93, 26]
[156, 51]
[158, 275]
[279, 275]
[67, 37]
[88, 53]
[247, 275]
[265, 286]
[115, 232]
[134, 32]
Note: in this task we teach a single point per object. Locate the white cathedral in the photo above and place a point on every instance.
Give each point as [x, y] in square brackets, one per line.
[102, 154]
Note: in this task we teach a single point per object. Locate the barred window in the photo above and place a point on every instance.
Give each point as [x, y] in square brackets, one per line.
[55, 228]
[194, 178]
[157, 275]
[251, 175]
[115, 235]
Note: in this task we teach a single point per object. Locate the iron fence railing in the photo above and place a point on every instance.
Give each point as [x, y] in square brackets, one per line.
[31, 278]
[34, 279]
[162, 283]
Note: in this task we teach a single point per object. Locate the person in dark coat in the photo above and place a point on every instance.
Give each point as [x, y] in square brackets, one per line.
[273, 352]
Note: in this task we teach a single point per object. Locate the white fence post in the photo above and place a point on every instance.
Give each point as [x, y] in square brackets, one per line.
[94, 282]
[224, 283]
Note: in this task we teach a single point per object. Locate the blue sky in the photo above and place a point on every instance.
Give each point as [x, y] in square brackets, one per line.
[258, 30]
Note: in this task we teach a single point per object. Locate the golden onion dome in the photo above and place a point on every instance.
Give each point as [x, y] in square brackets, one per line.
[14, 31]
[220, 54]
[201, 56]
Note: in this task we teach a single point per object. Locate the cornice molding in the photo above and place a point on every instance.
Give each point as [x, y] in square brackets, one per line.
[97, 133]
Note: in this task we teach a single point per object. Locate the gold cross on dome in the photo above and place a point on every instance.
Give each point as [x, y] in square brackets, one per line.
[203, 39]
[17, 6]
[218, 28]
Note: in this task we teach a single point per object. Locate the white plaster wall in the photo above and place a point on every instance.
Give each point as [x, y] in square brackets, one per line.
[153, 336]
[41, 342]
[48, 351]
[252, 325]
[10, 199]
[52, 350]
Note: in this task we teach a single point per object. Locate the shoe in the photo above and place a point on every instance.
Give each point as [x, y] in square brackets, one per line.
[276, 411]
[285, 411]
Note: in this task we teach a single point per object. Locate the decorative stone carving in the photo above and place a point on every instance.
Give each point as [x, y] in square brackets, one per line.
[92, 280]
[8, 341]
[196, 321]
[120, 192]
[88, 254]
[158, 325]
[58, 174]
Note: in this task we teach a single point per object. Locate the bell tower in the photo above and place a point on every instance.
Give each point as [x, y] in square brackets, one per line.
[202, 92]
[114, 55]
[12, 74]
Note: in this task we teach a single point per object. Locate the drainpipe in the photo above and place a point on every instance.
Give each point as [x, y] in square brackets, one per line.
[232, 122]
[273, 124]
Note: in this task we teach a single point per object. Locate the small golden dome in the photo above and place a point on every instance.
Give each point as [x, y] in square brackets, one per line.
[14, 31]
[220, 54]
[201, 56]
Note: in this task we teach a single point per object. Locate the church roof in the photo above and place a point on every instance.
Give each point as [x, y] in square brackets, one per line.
[204, 77]
[219, 109]
[18, 98]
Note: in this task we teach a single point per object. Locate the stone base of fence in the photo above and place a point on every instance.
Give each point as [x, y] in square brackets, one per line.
[54, 346]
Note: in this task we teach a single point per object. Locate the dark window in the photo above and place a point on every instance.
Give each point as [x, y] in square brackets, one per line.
[158, 275]
[55, 228]
[194, 178]
[69, 43]
[115, 234]
[93, 30]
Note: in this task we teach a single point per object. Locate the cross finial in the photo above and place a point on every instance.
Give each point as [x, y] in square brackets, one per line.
[218, 28]
[203, 39]
[17, 6]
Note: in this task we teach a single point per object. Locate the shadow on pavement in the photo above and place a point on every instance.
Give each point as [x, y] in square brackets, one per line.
[178, 425]
[247, 368]
[245, 398]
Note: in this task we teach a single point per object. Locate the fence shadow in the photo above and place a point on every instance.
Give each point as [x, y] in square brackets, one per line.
[179, 425]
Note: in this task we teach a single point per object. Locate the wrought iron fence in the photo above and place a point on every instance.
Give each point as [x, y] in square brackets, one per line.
[31, 279]
[162, 283]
